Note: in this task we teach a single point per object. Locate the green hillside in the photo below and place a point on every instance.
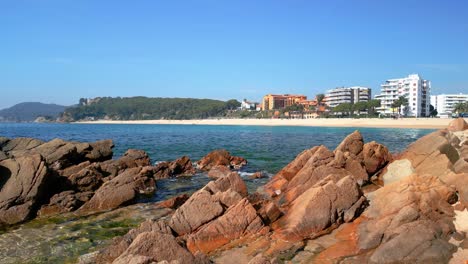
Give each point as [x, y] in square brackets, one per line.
[144, 108]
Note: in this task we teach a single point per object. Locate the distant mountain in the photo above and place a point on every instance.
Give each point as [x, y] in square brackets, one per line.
[28, 112]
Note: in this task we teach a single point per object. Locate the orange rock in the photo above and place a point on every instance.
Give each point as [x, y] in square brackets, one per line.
[458, 124]
[240, 220]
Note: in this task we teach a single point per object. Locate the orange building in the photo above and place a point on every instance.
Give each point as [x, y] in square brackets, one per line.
[273, 101]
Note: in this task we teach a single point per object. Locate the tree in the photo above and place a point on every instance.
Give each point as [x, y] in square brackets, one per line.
[344, 108]
[360, 106]
[460, 108]
[372, 105]
[320, 98]
[401, 101]
[432, 111]
[232, 104]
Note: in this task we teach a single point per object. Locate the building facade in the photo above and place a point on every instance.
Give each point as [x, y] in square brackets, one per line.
[351, 95]
[247, 105]
[413, 88]
[274, 102]
[444, 103]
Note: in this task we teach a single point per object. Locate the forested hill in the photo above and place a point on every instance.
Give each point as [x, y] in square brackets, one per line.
[29, 111]
[144, 108]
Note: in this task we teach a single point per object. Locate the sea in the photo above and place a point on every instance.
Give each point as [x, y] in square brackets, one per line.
[66, 238]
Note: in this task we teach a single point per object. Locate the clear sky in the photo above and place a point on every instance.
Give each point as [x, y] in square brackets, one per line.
[58, 51]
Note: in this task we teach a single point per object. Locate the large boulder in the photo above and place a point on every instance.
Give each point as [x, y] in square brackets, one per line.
[3, 155]
[100, 151]
[458, 124]
[64, 202]
[132, 158]
[398, 170]
[152, 247]
[410, 221]
[353, 143]
[120, 244]
[121, 190]
[208, 203]
[375, 157]
[199, 209]
[19, 144]
[87, 179]
[220, 157]
[238, 221]
[218, 171]
[23, 186]
[319, 209]
[179, 167]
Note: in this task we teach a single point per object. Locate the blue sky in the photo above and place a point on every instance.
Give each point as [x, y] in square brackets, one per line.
[59, 51]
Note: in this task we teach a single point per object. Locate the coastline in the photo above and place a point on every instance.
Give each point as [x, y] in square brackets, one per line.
[421, 123]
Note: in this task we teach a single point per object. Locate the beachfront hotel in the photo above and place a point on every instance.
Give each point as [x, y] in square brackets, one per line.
[351, 95]
[414, 88]
[274, 102]
[444, 103]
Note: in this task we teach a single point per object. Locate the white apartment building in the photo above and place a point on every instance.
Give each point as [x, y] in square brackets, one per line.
[414, 88]
[351, 95]
[444, 103]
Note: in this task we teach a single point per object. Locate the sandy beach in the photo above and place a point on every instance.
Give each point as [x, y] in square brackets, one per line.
[430, 123]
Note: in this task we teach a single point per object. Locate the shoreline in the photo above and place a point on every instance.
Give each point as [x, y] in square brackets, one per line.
[415, 123]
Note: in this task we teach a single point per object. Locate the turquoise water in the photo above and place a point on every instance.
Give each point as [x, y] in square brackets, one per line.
[266, 148]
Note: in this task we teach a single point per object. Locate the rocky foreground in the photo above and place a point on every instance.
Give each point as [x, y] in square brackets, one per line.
[355, 204]
[48, 178]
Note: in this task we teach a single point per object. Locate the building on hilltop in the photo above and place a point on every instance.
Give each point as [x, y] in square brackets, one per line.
[351, 95]
[415, 89]
[274, 102]
[444, 103]
[247, 105]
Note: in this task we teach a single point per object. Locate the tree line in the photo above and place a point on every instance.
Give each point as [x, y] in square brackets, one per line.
[145, 108]
[350, 108]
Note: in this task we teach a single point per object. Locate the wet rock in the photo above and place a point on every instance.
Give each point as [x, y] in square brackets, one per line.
[232, 181]
[175, 202]
[23, 185]
[458, 124]
[180, 167]
[238, 221]
[375, 157]
[218, 171]
[121, 190]
[220, 157]
[132, 158]
[258, 175]
[100, 151]
[64, 202]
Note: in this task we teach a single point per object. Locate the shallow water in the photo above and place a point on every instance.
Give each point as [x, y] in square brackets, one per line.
[266, 148]
[63, 239]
